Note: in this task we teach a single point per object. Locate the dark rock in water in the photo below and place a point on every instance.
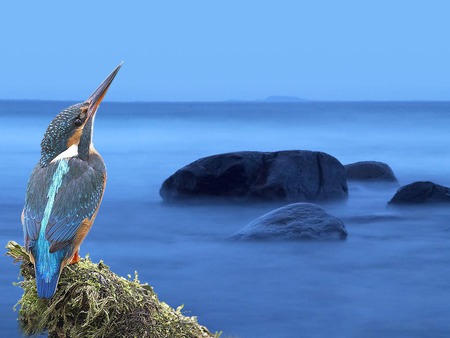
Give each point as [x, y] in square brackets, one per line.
[369, 171]
[293, 222]
[268, 176]
[421, 192]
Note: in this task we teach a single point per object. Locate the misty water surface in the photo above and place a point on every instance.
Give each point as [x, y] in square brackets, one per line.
[390, 278]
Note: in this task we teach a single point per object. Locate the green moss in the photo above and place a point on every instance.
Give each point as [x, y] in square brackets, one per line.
[92, 301]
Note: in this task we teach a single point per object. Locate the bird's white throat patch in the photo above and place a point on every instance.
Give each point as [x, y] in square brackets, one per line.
[72, 151]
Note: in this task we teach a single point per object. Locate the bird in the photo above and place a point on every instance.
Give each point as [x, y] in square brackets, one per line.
[64, 191]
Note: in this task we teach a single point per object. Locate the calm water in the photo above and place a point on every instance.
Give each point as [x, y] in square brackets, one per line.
[391, 278]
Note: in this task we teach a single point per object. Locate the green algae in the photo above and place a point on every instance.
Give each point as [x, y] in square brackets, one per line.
[92, 301]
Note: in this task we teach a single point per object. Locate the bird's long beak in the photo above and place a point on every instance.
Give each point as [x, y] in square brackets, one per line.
[97, 96]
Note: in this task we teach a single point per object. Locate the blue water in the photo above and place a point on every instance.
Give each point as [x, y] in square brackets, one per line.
[389, 279]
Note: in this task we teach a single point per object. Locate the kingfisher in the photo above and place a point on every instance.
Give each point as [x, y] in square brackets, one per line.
[64, 191]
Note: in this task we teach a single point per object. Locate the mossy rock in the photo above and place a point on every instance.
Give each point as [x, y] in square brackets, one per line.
[92, 301]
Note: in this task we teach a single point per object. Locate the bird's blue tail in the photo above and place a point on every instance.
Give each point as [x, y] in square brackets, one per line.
[46, 285]
[47, 266]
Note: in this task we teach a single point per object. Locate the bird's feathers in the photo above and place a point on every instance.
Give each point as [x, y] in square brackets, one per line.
[76, 199]
[61, 200]
[46, 288]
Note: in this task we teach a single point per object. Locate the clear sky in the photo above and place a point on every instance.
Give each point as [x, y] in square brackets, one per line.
[220, 50]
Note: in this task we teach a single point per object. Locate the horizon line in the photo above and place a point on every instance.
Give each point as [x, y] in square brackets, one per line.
[234, 101]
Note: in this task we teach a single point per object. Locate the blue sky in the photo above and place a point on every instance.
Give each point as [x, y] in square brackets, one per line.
[220, 50]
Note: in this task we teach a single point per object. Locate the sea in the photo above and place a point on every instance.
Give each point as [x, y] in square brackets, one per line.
[390, 278]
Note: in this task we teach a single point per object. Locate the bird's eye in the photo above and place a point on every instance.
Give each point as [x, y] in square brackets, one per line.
[78, 122]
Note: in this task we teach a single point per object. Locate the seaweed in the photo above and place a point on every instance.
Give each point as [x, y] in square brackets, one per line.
[92, 301]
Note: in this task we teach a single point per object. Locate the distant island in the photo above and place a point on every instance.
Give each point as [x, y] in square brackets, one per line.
[274, 98]
[277, 98]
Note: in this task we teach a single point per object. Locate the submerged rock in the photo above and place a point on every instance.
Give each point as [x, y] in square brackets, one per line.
[369, 171]
[421, 192]
[285, 175]
[295, 221]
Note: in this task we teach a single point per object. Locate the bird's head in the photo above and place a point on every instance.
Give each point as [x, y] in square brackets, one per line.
[70, 132]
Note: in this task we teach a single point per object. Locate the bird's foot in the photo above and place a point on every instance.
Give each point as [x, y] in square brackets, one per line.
[75, 258]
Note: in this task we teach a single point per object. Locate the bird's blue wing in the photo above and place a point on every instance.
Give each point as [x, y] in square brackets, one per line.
[35, 202]
[77, 199]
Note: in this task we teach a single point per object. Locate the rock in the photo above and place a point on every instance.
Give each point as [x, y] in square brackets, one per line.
[92, 301]
[292, 176]
[369, 171]
[421, 192]
[295, 221]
